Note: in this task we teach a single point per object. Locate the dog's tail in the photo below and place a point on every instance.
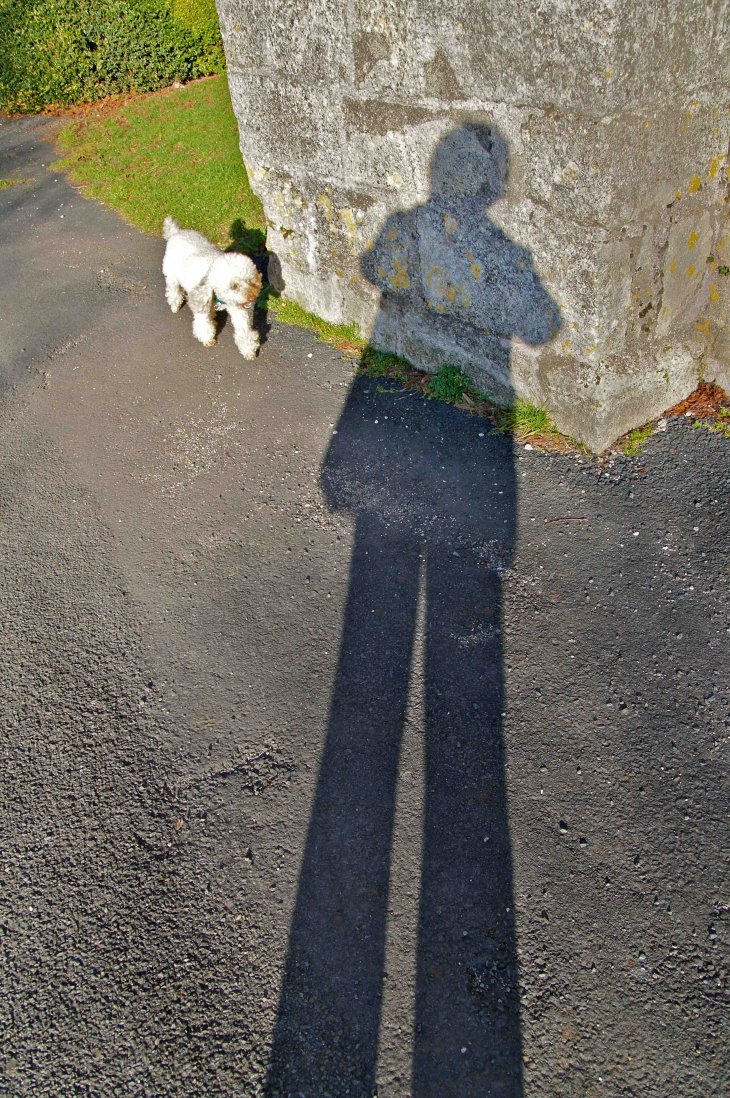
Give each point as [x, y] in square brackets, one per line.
[169, 227]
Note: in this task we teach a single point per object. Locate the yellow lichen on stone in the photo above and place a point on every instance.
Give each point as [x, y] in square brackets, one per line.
[713, 168]
[399, 280]
[690, 271]
[347, 217]
[325, 203]
[714, 294]
[695, 184]
[693, 238]
[672, 267]
[451, 224]
[476, 268]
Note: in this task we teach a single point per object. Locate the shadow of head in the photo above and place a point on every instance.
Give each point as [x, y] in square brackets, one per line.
[471, 161]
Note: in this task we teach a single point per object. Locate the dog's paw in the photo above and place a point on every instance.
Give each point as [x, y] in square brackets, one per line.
[204, 331]
[249, 349]
[175, 298]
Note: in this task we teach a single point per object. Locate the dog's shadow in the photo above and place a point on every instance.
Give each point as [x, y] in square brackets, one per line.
[251, 242]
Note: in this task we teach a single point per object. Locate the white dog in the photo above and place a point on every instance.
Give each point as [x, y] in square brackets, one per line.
[210, 279]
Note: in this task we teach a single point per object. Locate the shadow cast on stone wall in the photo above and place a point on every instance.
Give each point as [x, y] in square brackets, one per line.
[434, 503]
[455, 288]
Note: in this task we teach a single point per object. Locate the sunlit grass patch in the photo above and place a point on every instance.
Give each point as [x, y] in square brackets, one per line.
[174, 152]
[346, 337]
[12, 183]
[526, 421]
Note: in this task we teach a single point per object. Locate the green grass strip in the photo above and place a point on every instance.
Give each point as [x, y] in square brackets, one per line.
[288, 312]
[174, 153]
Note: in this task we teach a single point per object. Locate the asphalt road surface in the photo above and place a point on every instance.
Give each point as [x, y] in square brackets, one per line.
[349, 749]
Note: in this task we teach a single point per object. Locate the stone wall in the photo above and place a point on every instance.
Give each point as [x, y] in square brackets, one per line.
[531, 191]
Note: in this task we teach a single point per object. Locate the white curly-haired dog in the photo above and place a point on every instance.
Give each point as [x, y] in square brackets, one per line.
[210, 279]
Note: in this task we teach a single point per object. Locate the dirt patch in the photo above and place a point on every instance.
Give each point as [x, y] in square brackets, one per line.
[704, 403]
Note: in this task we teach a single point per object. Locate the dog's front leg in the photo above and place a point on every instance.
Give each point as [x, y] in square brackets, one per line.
[174, 293]
[245, 335]
[201, 302]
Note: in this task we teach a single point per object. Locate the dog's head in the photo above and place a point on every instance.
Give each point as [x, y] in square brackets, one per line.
[235, 280]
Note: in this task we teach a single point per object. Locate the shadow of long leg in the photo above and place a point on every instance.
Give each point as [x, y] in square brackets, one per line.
[327, 1028]
[467, 1007]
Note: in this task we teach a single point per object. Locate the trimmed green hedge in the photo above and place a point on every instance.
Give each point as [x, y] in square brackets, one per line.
[76, 51]
[201, 19]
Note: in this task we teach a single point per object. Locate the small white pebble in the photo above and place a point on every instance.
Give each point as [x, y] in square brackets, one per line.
[696, 529]
[527, 446]
[376, 421]
[636, 533]
[309, 355]
[464, 1049]
[481, 434]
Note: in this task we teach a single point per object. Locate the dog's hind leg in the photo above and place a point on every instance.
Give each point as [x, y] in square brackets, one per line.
[174, 293]
[245, 335]
[201, 302]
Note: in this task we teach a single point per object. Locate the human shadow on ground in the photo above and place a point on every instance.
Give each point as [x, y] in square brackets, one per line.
[433, 495]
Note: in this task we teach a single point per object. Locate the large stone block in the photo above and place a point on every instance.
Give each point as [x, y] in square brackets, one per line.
[539, 194]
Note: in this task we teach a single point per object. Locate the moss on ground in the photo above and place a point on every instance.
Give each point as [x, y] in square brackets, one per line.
[721, 425]
[633, 443]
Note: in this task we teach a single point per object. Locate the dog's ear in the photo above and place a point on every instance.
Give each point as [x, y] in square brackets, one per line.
[200, 298]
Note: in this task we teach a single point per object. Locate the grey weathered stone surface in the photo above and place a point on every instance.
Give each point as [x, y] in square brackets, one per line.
[530, 191]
